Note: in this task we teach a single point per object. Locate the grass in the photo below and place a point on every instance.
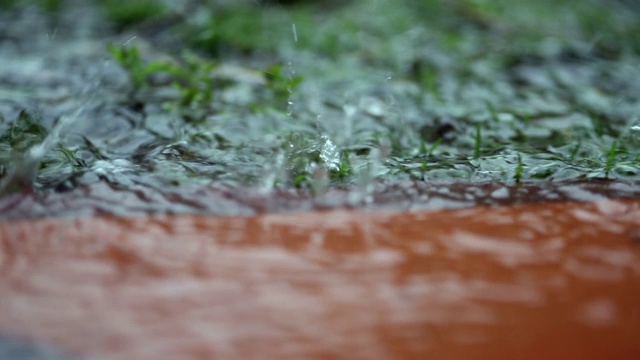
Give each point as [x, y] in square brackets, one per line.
[519, 170]
[25, 132]
[124, 14]
[464, 90]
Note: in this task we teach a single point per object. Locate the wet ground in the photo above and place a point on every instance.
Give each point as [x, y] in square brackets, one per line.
[355, 96]
[104, 198]
[255, 108]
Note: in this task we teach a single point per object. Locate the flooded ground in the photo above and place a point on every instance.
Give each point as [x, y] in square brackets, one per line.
[315, 96]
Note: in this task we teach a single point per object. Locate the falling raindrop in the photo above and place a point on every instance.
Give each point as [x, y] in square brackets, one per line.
[295, 32]
[290, 103]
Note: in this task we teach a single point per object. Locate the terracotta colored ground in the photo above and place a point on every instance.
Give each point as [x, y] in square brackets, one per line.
[543, 281]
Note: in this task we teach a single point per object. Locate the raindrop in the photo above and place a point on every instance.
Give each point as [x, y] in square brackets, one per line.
[292, 74]
[295, 32]
[129, 41]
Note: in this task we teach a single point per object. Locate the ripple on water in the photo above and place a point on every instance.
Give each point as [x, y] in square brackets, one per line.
[124, 190]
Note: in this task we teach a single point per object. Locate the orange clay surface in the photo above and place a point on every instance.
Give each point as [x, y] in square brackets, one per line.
[545, 281]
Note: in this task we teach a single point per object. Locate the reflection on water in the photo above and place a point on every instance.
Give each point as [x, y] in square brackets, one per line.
[535, 281]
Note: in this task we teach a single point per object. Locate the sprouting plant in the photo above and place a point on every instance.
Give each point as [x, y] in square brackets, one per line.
[423, 148]
[191, 78]
[344, 168]
[281, 84]
[193, 81]
[426, 153]
[71, 157]
[519, 169]
[300, 180]
[478, 146]
[429, 151]
[24, 133]
[129, 58]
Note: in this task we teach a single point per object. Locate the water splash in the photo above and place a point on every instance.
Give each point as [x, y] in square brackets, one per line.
[291, 75]
[365, 186]
[22, 174]
[274, 173]
[329, 153]
[320, 183]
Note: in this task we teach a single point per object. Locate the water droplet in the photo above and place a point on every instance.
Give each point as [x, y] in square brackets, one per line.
[329, 154]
